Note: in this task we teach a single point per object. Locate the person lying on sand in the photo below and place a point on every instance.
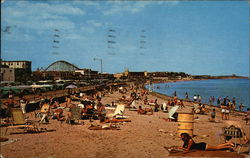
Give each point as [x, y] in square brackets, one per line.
[58, 114]
[146, 111]
[189, 144]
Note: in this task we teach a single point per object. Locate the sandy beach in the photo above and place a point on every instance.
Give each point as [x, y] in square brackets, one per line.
[144, 136]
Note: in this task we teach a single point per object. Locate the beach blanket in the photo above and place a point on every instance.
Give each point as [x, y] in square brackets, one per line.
[103, 128]
[172, 149]
[199, 153]
[117, 120]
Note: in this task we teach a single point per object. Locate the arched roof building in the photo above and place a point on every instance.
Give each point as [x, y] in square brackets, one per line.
[61, 66]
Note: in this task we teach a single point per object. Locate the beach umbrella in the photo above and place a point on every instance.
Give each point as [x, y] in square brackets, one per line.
[172, 111]
[71, 86]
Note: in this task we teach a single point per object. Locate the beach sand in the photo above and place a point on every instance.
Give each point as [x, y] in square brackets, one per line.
[144, 136]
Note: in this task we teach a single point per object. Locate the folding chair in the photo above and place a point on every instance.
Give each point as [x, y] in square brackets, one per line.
[75, 113]
[18, 122]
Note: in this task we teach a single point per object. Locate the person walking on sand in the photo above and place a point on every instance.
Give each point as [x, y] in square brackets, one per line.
[199, 98]
[186, 95]
[234, 101]
[241, 107]
[213, 114]
[181, 104]
[227, 111]
[210, 100]
[219, 101]
[175, 94]
[156, 106]
[247, 118]
[195, 98]
[23, 102]
[223, 111]
[213, 99]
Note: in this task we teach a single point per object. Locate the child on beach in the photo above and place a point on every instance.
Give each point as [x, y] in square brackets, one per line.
[213, 114]
[241, 107]
[181, 104]
[248, 116]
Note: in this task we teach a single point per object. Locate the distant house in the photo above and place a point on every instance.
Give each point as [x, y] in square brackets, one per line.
[139, 74]
[15, 70]
[7, 74]
[25, 65]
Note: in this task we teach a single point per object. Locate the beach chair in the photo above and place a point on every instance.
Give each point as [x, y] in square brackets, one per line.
[164, 107]
[75, 113]
[172, 112]
[235, 131]
[18, 122]
[119, 111]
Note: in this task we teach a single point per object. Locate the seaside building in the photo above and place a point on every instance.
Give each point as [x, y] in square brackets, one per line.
[25, 65]
[139, 74]
[7, 74]
[63, 70]
[15, 71]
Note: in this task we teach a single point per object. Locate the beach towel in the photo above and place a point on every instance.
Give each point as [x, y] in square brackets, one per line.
[104, 127]
[9, 141]
[199, 153]
[117, 120]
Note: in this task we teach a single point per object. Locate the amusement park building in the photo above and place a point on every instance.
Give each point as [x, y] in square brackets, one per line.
[65, 71]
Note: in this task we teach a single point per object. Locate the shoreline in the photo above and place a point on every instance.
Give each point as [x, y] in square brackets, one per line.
[165, 96]
[144, 136]
[184, 80]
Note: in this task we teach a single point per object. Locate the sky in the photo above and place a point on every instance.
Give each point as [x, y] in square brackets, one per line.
[196, 37]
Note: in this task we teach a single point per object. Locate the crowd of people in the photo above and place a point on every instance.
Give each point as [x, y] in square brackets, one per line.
[90, 106]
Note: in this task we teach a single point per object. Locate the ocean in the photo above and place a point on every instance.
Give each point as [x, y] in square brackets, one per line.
[238, 88]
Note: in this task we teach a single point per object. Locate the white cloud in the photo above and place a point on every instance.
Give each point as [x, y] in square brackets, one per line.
[87, 29]
[40, 16]
[86, 3]
[73, 36]
[130, 7]
[133, 7]
[94, 23]
[18, 36]
[63, 9]
[170, 3]
[91, 3]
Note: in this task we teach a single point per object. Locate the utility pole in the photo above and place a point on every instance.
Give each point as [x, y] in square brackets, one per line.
[99, 59]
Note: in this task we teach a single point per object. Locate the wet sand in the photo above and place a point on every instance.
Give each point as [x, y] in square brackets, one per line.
[145, 136]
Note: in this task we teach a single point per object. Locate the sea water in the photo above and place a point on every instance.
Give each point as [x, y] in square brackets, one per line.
[238, 88]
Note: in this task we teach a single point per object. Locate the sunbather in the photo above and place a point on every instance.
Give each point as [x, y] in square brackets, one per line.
[247, 118]
[146, 111]
[58, 114]
[101, 110]
[189, 144]
[45, 110]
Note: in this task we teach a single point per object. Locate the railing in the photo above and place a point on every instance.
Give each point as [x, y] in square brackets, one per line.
[60, 93]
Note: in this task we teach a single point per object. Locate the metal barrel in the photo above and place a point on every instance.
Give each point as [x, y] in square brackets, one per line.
[185, 123]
